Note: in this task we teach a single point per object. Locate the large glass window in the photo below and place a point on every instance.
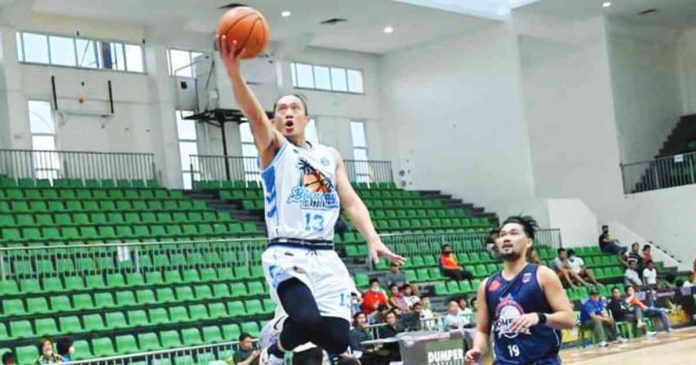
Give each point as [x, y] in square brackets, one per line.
[79, 52]
[188, 146]
[250, 154]
[361, 167]
[305, 76]
[181, 62]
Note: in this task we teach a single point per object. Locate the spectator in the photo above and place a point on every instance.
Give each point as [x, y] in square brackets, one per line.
[396, 299]
[490, 243]
[409, 297]
[359, 333]
[65, 350]
[643, 310]
[609, 244]
[593, 315]
[474, 304]
[377, 316]
[631, 276]
[690, 281]
[619, 308]
[647, 253]
[411, 321]
[46, 355]
[426, 315]
[449, 266]
[8, 358]
[394, 276]
[246, 354]
[650, 275]
[355, 303]
[577, 266]
[456, 318]
[634, 256]
[562, 268]
[341, 228]
[373, 298]
[389, 331]
[534, 258]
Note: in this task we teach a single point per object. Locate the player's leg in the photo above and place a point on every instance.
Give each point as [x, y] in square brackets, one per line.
[303, 313]
[332, 334]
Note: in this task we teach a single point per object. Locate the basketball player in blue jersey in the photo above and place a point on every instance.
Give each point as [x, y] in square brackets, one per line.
[305, 187]
[524, 305]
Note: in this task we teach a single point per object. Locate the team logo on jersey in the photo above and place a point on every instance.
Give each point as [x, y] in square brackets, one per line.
[495, 285]
[506, 312]
[314, 190]
[526, 277]
[325, 161]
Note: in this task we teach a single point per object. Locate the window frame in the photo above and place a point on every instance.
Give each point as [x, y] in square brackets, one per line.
[293, 72]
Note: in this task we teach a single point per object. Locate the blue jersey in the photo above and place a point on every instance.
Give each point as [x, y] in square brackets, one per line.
[508, 300]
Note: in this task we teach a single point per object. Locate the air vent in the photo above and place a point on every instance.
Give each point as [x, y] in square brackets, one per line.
[231, 6]
[648, 12]
[333, 21]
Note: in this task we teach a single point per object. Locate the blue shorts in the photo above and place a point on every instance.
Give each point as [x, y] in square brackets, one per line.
[551, 360]
[613, 248]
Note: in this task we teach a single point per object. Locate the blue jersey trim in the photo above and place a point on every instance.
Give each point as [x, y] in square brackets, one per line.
[275, 158]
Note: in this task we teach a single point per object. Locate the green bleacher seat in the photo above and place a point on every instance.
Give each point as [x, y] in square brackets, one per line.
[94, 322]
[191, 337]
[178, 314]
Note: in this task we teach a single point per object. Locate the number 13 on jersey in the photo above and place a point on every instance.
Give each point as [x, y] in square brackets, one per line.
[314, 222]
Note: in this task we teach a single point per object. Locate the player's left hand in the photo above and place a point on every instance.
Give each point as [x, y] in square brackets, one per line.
[378, 249]
[524, 322]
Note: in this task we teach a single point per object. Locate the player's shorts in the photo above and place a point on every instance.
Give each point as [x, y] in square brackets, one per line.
[321, 270]
[551, 360]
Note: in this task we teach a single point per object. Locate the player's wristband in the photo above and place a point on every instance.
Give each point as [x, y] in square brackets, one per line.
[542, 318]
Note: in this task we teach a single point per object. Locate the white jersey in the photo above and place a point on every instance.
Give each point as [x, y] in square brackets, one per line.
[301, 201]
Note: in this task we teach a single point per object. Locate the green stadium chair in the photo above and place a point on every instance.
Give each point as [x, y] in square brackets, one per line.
[256, 288]
[52, 285]
[198, 312]
[21, 330]
[94, 322]
[158, 316]
[252, 328]
[104, 300]
[178, 314]
[8, 287]
[46, 327]
[60, 303]
[221, 291]
[235, 309]
[212, 334]
[115, 280]
[13, 307]
[145, 296]
[95, 282]
[254, 307]
[153, 278]
[208, 274]
[82, 301]
[269, 305]
[191, 337]
[137, 318]
[70, 325]
[165, 295]
[170, 339]
[148, 342]
[27, 354]
[74, 283]
[217, 310]
[125, 298]
[202, 292]
[103, 347]
[126, 344]
[184, 293]
[37, 305]
[172, 277]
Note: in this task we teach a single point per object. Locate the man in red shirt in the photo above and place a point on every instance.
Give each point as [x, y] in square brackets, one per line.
[373, 298]
[450, 267]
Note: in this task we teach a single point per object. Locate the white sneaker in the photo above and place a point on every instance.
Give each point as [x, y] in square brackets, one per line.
[269, 359]
[603, 344]
[651, 333]
[622, 340]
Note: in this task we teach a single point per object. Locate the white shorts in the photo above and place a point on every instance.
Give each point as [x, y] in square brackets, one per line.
[321, 270]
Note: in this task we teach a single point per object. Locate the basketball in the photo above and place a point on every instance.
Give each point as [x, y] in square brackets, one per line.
[248, 27]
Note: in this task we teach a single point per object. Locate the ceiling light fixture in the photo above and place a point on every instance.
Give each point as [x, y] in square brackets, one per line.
[285, 13]
[606, 4]
[388, 29]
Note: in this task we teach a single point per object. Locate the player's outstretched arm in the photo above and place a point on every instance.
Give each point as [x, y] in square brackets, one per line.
[357, 213]
[266, 138]
[563, 316]
[483, 328]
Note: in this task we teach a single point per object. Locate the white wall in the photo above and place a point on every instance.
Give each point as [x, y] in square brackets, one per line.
[577, 222]
[687, 63]
[455, 109]
[646, 89]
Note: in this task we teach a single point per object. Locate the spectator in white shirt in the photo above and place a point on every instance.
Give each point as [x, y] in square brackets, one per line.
[456, 318]
[650, 275]
[631, 276]
[428, 318]
[562, 268]
[690, 281]
[577, 265]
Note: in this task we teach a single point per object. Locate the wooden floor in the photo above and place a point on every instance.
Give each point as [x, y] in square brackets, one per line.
[676, 348]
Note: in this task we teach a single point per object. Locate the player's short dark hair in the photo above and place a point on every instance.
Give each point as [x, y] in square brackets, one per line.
[63, 345]
[528, 223]
[299, 96]
[244, 336]
[8, 357]
[560, 250]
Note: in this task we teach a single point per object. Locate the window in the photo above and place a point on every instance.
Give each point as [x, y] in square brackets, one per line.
[43, 140]
[188, 146]
[79, 52]
[305, 76]
[181, 62]
[250, 154]
[361, 169]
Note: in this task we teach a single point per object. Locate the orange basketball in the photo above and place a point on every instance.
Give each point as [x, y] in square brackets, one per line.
[248, 27]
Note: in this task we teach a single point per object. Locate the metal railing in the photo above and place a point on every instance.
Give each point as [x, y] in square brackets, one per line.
[661, 173]
[231, 168]
[50, 261]
[36, 164]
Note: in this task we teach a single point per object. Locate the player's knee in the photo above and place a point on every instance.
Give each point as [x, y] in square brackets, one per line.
[337, 335]
[338, 343]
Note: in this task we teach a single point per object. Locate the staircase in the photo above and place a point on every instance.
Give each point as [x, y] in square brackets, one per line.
[682, 137]
[213, 200]
[451, 202]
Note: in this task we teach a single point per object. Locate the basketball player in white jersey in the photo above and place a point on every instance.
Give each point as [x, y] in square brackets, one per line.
[305, 187]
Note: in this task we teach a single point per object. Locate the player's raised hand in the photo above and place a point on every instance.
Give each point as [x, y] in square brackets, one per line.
[472, 357]
[378, 249]
[230, 53]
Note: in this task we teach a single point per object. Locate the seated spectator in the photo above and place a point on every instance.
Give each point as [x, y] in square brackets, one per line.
[562, 268]
[427, 317]
[355, 303]
[394, 276]
[534, 258]
[46, 354]
[8, 358]
[647, 253]
[688, 283]
[410, 298]
[411, 321]
[577, 266]
[474, 304]
[631, 276]
[246, 354]
[634, 256]
[377, 316]
[456, 318]
[396, 299]
[359, 333]
[373, 298]
[643, 310]
[490, 243]
[65, 350]
[449, 266]
[593, 315]
[609, 244]
[650, 275]
[620, 310]
[389, 331]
